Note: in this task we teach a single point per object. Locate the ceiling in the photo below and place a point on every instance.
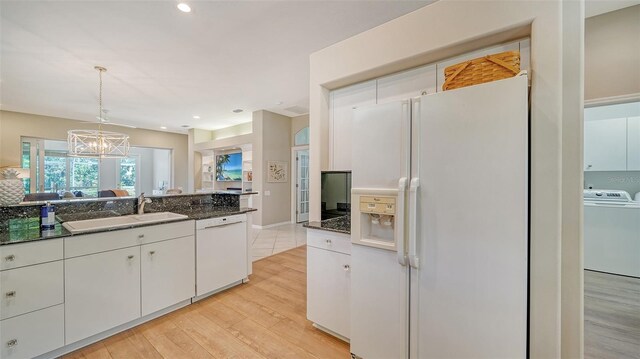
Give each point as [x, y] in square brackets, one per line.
[599, 7]
[166, 66]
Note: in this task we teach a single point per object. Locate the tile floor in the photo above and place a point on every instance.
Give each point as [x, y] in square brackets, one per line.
[274, 240]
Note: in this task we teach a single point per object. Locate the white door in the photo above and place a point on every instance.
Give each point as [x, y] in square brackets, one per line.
[302, 185]
[168, 273]
[328, 289]
[102, 291]
[469, 293]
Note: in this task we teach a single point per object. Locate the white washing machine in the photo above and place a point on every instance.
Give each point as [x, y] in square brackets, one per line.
[611, 232]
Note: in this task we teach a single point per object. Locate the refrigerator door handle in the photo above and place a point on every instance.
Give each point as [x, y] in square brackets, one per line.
[400, 238]
[413, 205]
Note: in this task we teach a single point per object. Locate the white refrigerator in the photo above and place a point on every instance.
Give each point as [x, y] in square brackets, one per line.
[440, 225]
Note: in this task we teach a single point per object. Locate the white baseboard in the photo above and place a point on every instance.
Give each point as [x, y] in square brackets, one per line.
[255, 226]
[98, 337]
[331, 332]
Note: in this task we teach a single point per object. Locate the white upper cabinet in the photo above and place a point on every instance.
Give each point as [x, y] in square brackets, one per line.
[633, 144]
[343, 101]
[408, 84]
[605, 145]
[612, 137]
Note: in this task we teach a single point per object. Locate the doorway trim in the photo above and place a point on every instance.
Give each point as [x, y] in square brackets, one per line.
[294, 181]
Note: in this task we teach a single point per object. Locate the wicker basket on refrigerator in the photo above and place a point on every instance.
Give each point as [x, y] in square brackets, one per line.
[483, 69]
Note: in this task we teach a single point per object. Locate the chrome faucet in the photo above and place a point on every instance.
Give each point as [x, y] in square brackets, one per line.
[141, 202]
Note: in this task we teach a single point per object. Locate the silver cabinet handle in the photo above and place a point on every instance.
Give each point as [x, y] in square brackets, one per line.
[152, 253]
[328, 241]
[12, 343]
[130, 257]
[140, 236]
[10, 258]
[10, 294]
[346, 267]
[220, 225]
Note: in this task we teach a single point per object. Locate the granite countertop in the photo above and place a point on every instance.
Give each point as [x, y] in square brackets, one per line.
[338, 224]
[234, 192]
[22, 230]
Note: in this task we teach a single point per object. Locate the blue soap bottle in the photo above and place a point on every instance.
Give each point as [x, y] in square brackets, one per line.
[47, 217]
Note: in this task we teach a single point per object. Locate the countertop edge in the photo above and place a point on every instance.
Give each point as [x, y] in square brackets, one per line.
[66, 233]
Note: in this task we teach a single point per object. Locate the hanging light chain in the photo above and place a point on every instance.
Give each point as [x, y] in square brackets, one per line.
[100, 71]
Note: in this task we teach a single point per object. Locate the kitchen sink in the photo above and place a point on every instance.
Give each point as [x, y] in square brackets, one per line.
[119, 222]
[160, 216]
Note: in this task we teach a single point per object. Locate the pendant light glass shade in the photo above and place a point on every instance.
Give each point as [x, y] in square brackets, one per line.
[97, 143]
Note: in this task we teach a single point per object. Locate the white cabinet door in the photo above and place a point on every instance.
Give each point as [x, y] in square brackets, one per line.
[633, 144]
[102, 291]
[343, 102]
[329, 289]
[407, 84]
[605, 145]
[168, 273]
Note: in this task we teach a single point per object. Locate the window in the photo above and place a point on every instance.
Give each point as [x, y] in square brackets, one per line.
[62, 173]
[302, 137]
[128, 175]
[26, 163]
[51, 170]
[83, 176]
[55, 171]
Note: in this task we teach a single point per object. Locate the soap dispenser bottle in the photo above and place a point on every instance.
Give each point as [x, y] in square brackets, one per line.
[47, 217]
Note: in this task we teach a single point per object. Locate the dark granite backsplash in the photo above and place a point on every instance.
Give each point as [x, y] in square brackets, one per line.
[168, 203]
[123, 206]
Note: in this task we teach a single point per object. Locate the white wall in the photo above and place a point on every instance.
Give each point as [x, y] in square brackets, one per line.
[431, 34]
[161, 167]
[612, 54]
[272, 142]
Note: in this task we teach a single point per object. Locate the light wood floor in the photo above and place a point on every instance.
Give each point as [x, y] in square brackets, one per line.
[612, 316]
[265, 318]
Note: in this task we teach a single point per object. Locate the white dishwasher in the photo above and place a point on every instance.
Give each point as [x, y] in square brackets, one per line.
[221, 253]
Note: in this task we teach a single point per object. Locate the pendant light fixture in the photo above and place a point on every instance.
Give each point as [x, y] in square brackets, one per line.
[97, 143]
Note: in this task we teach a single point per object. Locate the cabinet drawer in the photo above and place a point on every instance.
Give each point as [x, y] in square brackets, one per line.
[32, 334]
[106, 241]
[27, 289]
[328, 240]
[162, 232]
[25, 254]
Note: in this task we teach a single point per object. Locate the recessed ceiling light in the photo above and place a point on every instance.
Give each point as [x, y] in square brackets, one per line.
[163, 127]
[184, 7]
[185, 126]
[196, 117]
[238, 110]
[279, 103]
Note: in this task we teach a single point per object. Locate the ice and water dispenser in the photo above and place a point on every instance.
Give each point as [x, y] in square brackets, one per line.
[376, 219]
